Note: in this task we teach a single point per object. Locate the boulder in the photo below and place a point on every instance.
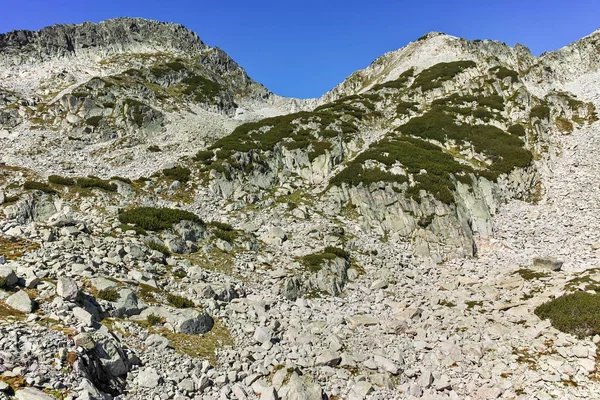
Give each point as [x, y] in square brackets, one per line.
[7, 277]
[67, 289]
[547, 263]
[20, 301]
[30, 393]
[186, 321]
[148, 378]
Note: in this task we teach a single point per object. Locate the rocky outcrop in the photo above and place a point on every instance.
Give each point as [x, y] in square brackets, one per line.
[115, 36]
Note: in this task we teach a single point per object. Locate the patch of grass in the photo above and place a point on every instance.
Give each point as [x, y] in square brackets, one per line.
[399, 83]
[529, 274]
[224, 231]
[33, 185]
[154, 149]
[154, 320]
[564, 125]
[147, 293]
[434, 77]
[472, 304]
[447, 303]
[61, 180]
[575, 313]
[108, 294]
[137, 229]
[14, 248]
[9, 313]
[156, 219]
[178, 173]
[179, 301]
[203, 346]
[204, 156]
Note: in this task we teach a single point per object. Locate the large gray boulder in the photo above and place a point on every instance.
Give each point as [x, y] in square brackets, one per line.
[20, 301]
[300, 387]
[186, 321]
[126, 305]
[30, 393]
[547, 263]
[7, 276]
[67, 289]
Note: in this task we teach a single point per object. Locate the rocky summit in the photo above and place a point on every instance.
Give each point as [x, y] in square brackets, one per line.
[171, 229]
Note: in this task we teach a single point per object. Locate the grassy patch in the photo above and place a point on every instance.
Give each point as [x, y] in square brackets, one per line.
[575, 313]
[108, 294]
[314, 262]
[155, 219]
[503, 73]
[14, 248]
[154, 149]
[529, 274]
[94, 121]
[540, 111]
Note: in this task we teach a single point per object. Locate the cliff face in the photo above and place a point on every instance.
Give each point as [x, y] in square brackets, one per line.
[103, 39]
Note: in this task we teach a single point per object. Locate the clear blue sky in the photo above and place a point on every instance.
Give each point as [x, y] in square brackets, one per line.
[304, 48]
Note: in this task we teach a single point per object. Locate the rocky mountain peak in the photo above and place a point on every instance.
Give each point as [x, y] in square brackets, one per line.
[114, 36]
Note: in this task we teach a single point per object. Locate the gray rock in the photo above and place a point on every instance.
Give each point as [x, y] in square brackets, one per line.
[548, 263]
[263, 334]
[158, 341]
[148, 378]
[360, 390]
[291, 289]
[387, 365]
[301, 388]
[329, 358]
[67, 289]
[30, 393]
[20, 301]
[126, 305]
[187, 321]
[83, 316]
[8, 276]
[187, 385]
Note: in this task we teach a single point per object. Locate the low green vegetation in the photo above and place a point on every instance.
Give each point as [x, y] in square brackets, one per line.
[33, 185]
[94, 121]
[154, 149]
[314, 262]
[61, 180]
[529, 274]
[517, 129]
[179, 301]
[435, 76]
[503, 73]
[224, 231]
[178, 173]
[122, 179]
[575, 313]
[96, 183]
[540, 111]
[108, 294]
[399, 83]
[156, 219]
[154, 320]
[203, 89]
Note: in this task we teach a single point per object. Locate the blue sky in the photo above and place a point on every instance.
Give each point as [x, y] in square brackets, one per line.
[304, 48]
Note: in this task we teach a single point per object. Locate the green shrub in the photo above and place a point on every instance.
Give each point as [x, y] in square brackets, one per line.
[503, 72]
[178, 173]
[540, 112]
[399, 83]
[204, 90]
[204, 156]
[3, 283]
[154, 149]
[161, 248]
[224, 231]
[517, 129]
[108, 294]
[153, 320]
[179, 301]
[155, 219]
[32, 185]
[576, 313]
[137, 229]
[96, 183]
[93, 121]
[433, 77]
[61, 180]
